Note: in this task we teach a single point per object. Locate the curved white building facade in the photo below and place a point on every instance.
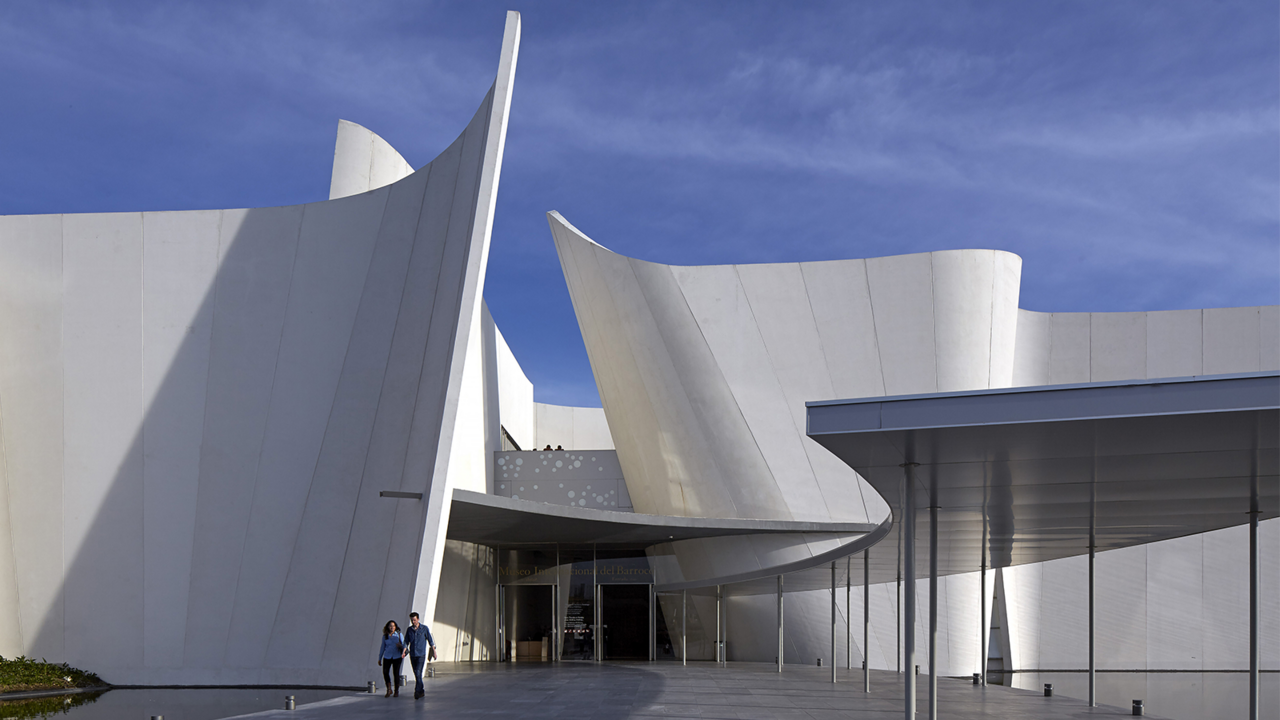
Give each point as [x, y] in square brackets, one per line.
[200, 413]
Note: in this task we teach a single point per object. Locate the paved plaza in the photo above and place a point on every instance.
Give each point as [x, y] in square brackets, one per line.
[741, 691]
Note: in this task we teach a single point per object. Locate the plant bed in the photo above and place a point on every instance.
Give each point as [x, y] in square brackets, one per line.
[24, 673]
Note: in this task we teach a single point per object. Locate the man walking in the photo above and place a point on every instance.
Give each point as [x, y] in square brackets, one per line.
[417, 641]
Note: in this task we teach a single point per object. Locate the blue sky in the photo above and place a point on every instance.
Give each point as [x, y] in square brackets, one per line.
[1128, 151]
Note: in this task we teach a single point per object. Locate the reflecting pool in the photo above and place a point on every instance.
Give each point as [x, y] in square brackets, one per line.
[212, 704]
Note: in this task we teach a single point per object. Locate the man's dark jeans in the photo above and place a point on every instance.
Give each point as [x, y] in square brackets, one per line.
[418, 661]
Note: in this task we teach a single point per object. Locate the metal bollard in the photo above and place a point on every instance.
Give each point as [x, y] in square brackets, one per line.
[372, 688]
[917, 669]
[1137, 707]
[288, 702]
[819, 662]
[157, 717]
[977, 678]
[431, 672]
[402, 682]
[1048, 690]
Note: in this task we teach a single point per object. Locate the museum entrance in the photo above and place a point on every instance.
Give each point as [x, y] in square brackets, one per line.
[625, 622]
[528, 616]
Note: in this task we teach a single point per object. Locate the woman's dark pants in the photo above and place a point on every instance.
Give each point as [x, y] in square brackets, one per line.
[391, 672]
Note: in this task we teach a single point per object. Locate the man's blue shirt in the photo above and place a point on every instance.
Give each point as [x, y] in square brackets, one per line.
[418, 640]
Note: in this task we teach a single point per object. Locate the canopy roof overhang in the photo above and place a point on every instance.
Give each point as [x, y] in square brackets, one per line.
[1030, 474]
[494, 520]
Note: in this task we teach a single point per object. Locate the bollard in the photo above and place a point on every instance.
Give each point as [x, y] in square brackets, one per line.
[917, 669]
[1137, 707]
[288, 702]
[819, 662]
[372, 688]
[431, 672]
[157, 717]
[1048, 690]
[977, 678]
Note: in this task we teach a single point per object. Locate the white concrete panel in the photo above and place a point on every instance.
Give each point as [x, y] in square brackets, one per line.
[363, 447]
[1069, 351]
[902, 303]
[1174, 343]
[347, 519]
[1121, 594]
[591, 429]
[1117, 346]
[1064, 639]
[1225, 594]
[251, 294]
[1031, 364]
[180, 262]
[553, 425]
[515, 395]
[1232, 340]
[31, 401]
[841, 302]
[780, 306]
[1175, 627]
[963, 305]
[1269, 338]
[741, 409]
[103, 406]
[330, 267]
[1004, 317]
[363, 161]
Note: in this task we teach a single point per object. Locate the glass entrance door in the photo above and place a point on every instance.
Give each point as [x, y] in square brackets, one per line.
[624, 622]
[529, 622]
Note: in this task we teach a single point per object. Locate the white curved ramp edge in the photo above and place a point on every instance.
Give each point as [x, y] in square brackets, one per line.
[363, 161]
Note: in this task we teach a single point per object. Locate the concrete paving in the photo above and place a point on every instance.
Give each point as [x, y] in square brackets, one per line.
[741, 691]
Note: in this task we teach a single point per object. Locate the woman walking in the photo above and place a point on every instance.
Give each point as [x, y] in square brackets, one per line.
[389, 657]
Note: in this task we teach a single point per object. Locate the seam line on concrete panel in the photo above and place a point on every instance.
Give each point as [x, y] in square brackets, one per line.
[257, 464]
[875, 332]
[933, 303]
[417, 388]
[62, 481]
[346, 549]
[212, 299]
[991, 322]
[8, 508]
[756, 324]
[329, 420]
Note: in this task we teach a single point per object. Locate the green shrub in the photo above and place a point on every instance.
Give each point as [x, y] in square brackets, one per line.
[23, 673]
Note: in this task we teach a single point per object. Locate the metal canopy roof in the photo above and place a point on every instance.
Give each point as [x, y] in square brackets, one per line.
[1038, 471]
[494, 520]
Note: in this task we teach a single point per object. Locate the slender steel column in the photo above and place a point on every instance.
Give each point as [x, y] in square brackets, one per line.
[833, 621]
[719, 625]
[779, 623]
[933, 610]
[497, 599]
[866, 620]
[984, 632]
[848, 612]
[898, 612]
[909, 606]
[1254, 649]
[1093, 666]
[653, 623]
[684, 637]
[984, 635]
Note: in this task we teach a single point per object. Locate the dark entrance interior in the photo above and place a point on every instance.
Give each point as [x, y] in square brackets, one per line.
[625, 616]
[529, 618]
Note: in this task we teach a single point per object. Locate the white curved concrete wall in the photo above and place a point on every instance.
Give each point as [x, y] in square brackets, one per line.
[574, 428]
[199, 410]
[1175, 605]
[363, 161]
[704, 372]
